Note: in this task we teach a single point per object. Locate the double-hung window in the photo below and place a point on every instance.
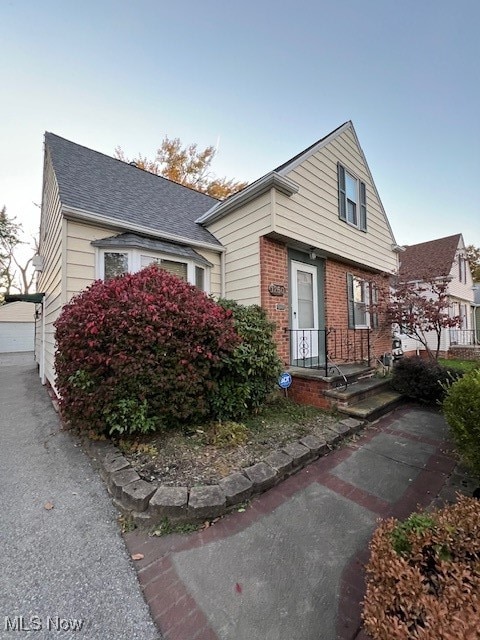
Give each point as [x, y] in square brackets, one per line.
[361, 294]
[352, 199]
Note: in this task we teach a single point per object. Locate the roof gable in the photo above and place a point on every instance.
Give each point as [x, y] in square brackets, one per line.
[313, 148]
[98, 184]
[432, 259]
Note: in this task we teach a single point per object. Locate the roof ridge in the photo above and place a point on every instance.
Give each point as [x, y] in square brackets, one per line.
[417, 244]
[311, 146]
[128, 164]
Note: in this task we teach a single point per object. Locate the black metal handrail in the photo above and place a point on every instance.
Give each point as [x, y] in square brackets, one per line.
[319, 348]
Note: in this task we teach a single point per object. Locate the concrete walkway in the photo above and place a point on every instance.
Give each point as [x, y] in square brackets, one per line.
[68, 563]
[291, 566]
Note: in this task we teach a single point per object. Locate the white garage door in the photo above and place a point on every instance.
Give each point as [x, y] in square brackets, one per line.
[16, 336]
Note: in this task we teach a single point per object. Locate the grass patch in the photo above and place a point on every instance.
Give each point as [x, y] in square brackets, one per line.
[126, 523]
[461, 365]
[281, 412]
[166, 527]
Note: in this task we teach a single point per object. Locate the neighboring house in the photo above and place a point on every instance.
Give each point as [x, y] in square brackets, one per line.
[443, 259]
[304, 241]
[17, 327]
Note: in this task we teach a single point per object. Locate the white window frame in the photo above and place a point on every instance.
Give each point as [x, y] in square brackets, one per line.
[364, 285]
[352, 304]
[134, 263]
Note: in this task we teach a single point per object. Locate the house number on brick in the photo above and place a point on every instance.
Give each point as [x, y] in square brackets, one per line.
[276, 289]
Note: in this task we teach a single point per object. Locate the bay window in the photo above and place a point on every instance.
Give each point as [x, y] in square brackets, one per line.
[189, 265]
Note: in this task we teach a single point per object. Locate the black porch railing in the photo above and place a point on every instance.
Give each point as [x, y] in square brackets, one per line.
[319, 348]
[463, 337]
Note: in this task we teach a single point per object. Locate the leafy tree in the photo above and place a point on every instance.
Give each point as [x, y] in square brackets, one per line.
[187, 165]
[473, 255]
[419, 309]
[14, 275]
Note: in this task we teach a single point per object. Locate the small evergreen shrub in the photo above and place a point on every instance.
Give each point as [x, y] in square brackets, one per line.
[226, 434]
[140, 352]
[250, 372]
[422, 380]
[461, 408]
[423, 577]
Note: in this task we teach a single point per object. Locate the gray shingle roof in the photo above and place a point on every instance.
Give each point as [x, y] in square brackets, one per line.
[131, 240]
[102, 185]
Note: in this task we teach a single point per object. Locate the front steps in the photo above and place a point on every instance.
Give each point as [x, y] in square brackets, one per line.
[366, 397]
[374, 406]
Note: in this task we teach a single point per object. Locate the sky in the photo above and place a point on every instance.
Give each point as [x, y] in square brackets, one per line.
[261, 79]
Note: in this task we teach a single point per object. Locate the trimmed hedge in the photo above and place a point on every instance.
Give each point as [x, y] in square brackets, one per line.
[423, 578]
[461, 408]
[140, 352]
[422, 380]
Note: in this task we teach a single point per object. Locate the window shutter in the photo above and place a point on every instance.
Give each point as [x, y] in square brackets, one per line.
[342, 196]
[363, 206]
[351, 302]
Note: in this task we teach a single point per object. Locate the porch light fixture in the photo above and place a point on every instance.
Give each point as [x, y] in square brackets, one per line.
[312, 254]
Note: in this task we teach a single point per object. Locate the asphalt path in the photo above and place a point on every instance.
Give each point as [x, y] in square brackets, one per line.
[64, 568]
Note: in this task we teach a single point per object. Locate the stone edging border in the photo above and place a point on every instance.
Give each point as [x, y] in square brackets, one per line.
[148, 503]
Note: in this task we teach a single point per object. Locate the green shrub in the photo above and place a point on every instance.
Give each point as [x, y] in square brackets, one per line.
[423, 578]
[422, 380]
[417, 523]
[140, 352]
[251, 371]
[461, 408]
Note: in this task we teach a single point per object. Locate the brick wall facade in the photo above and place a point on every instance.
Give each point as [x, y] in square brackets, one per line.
[274, 270]
[464, 353]
[308, 391]
[336, 306]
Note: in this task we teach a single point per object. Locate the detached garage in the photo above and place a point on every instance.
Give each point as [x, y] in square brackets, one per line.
[17, 327]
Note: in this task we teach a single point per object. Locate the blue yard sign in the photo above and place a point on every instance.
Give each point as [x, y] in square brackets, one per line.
[285, 380]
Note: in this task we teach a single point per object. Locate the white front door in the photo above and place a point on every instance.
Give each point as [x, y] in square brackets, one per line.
[305, 334]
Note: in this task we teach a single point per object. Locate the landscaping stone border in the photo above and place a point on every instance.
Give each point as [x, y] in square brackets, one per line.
[148, 503]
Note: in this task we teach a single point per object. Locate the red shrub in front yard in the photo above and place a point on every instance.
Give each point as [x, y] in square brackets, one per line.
[139, 352]
[423, 578]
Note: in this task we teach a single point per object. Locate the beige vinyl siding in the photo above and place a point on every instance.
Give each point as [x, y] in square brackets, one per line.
[81, 256]
[50, 279]
[311, 215]
[240, 231]
[215, 271]
[463, 290]
[81, 267]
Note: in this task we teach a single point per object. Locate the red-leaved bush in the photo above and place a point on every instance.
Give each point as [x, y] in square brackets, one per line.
[423, 578]
[140, 352]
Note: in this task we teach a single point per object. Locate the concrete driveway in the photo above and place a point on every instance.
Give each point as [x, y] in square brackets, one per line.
[65, 571]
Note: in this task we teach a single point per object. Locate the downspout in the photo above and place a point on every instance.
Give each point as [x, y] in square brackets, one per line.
[222, 274]
[42, 352]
